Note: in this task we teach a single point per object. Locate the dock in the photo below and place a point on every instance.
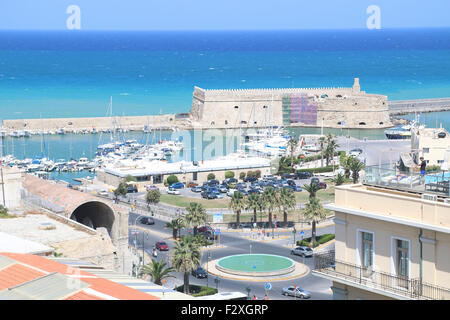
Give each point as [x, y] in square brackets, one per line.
[401, 107]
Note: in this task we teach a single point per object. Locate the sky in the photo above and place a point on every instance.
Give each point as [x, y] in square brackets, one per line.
[221, 15]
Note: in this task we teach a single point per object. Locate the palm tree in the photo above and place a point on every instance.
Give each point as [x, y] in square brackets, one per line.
[253, 203]
[356, 166]
[157, 271]
[292, 144]
[287, 202]
[176, 225]
[322, 141]
[270, 201]
[340, 179]
[332, 145]
[312, 189]
[196, 215]
[186, 256]
[237, 203]
[314, 212]
[346, 164]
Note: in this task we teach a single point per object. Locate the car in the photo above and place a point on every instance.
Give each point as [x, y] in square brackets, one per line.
[288, 175]
[151, 187]
[173, 191]
[298, 189]
[223, 188]
[197, 189]
[192, 184]
[103, 193]
[291, 182]
[241, 185]
[213, 182]
[322, 185]
[132, 189]
[230, 180]
[208, 195]
[315, 180]
[250, 179]
[204, 229]
[199, 273]
[302, 251]
[209, 235]
[303, 175]
[252, 190]
[355, 152]
[289, 187]
[269, 177]
[231, 192]
[296, 291]
[246, 225]
[147, 220]
[243, 191]
[161, 246]
[177, 185]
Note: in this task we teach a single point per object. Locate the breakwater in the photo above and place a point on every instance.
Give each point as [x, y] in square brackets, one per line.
[401, 107]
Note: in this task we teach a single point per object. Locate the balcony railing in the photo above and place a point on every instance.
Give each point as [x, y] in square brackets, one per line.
[325, 263]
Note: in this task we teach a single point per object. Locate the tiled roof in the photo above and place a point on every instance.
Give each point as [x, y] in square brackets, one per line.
[83, 296]
[17, 274]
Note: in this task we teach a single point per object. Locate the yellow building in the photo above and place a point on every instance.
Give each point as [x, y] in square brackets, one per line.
[391, 243]
[430, 143]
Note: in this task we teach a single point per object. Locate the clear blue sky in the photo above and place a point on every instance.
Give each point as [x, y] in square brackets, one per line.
[221, 15]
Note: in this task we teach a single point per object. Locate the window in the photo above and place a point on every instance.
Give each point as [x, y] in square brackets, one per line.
[362, 123]
[194, 176]
[426, 150]
[367, 253]
[157, 179]
[381, 123]
[401, 262]
[440, 161]
[226, 121]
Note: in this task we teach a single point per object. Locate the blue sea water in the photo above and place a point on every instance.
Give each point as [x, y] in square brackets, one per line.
[73, 74]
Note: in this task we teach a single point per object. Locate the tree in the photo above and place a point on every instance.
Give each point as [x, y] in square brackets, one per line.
[287, 202]
[332, 145]
[237, 203]
[186, 256]
[314, 212]
[121, 190]
[229, 174]
[253, 203]
[270, 201]
[176, 225]
[258, 174]
[292, 144]
[157, 271]
[172, 179]
[3, 210]
[249, 173]
[322, 141]
[356, 166]
[346, 164]
[312, 189]
[130, 178]
[211, 176]
[153, 196]
[196, 215]
[242, 175]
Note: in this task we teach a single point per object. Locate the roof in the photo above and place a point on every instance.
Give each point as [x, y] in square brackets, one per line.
[26, 276]
[10, 243]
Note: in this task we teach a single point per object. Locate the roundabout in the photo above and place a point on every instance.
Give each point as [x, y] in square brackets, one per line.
[256, 267]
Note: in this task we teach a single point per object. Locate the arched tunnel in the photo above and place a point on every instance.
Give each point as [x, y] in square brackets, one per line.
[94, 214]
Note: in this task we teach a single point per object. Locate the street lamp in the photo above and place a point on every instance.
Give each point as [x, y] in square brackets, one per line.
[217, 280]
[208, 257]
[250, 249]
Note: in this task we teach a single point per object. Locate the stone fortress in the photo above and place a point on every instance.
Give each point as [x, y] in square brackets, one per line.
[328, 107]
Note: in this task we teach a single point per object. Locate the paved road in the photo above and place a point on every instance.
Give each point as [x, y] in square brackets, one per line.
[234, 243]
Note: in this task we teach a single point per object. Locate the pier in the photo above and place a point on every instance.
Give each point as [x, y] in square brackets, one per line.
[401, 107]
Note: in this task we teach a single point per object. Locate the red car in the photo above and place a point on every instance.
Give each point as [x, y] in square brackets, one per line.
[204, 229]
[162, 246]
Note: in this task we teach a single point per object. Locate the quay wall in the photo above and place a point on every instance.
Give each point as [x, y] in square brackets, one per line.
[99, 123]
[400, 107]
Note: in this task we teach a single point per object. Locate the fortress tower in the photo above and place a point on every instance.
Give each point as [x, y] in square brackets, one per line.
[334, 107]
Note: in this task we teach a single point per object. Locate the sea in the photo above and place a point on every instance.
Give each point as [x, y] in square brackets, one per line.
[46, 74]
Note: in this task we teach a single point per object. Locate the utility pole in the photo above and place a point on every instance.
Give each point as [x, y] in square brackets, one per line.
[3, 188]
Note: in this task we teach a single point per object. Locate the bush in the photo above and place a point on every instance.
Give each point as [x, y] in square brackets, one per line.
[229, 174]
[249, 173]
[319, 170]
[198, 291]
[172, 179]
[319, 240]
[211, 176]
[242, 175]
[258, 174]
[153, 196]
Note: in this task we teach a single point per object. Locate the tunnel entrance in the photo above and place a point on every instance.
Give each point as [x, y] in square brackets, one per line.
[94, 214]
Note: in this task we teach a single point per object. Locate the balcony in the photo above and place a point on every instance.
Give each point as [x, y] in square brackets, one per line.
[327, 266]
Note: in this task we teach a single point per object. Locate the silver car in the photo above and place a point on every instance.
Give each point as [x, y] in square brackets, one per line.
[296, 292]
[303, 251]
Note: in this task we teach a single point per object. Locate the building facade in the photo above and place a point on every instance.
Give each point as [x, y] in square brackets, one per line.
[390, 244]
[328, 107]
[431, 144]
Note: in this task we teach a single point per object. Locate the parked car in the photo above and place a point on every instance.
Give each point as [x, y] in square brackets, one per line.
[173, 191]
[204, 228]
[209, 235]
[296, 291]
[291, 182]
[322, 185]
[162, 246]
[208, 195]
[223, 189]
[199, 272]
[197, 189]
[147, 221]
[288, 175]
[355, 152]
[132, 189]
[192, 184]
[231, 192]
[243, 191]
[213, 182]
[252, 190]
[230, 180]
[103, 193]
[241, 185]
[303, 175]
[303, 251]
[269, 177]
[250, 179]
[177, 185]
[151, 187]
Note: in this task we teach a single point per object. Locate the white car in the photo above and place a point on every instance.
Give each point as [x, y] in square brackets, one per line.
[302, 251]
[230, 192]
[355, 153]
[173, 191]
[103, 193]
